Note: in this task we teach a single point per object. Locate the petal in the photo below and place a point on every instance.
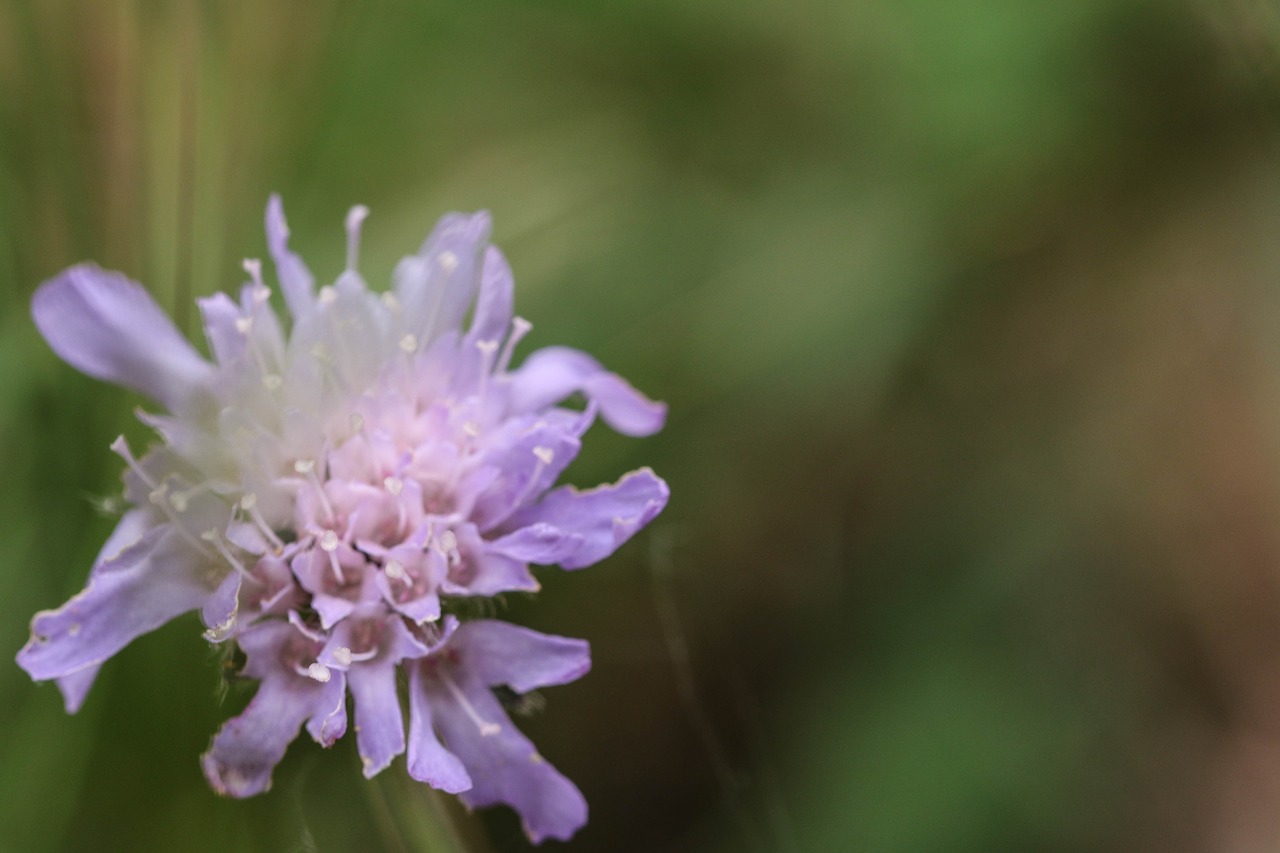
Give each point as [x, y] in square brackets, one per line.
[495, 300]
[248, 747]
[296, 280]
[379, 723]
[429, 761]
[222, 609]
[220, 313]
[328, 721]
[109, 327]
[553, 373]
[501, 653]
[528, 464]
[480, 571]
[76, 686]
[436, 286]
[504, 766]
[544, 544]
[602, 518]
[148, 584]
[132, 526]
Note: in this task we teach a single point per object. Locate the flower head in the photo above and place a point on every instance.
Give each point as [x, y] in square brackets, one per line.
[323, 489]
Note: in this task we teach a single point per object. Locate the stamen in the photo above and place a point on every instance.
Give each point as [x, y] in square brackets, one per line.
[159, 497]
[449, 547]
[519, 328]
[393, 485]
[271, 381]
[487, 729]
[181, 500]
[346, 657]
[253, 267]
[471, 428]
[545, 457]
[448, 261]
[355, 219]
[307, 467]
[328, 543]
[409, 344]
[249, 503]
[487, 350]
[244, 325]
[261, 293]
[389, 299]
[327, 295]
[121, 448]
[212, 537]
[395, 570]
[317, 670]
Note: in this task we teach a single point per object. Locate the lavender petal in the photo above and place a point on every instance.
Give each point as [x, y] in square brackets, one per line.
[551, 374]
[603, 518]
[501, 653]
[110, 328]
[296, 280]
[149, 583]
[429, 761]
[379, 724]
[504, 766]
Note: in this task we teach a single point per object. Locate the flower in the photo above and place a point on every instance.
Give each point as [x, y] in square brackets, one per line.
[322, 495]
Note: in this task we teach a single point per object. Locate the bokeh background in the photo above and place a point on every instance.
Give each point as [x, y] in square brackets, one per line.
[968, 315]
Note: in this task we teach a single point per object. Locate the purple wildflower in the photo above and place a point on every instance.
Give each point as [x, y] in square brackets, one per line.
[320, 494]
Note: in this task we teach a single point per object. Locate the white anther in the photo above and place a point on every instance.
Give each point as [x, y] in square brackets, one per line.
[393, 485]
[248, 501]
[487, 347]
[448, 261]
[320, 352]
[409, 343]
[157, 496]
[545, 454]
[209, 536]
[519, 328]
[471, 428]
[253, 267]
[389, 299]
[329, 541]
[261, 294]
[342, 655]
[179, 501]
[272, 381]
[355, 219]
[244, 325]
[448, 541]
[304, 466]
[394, 570]
[328, 295]
[319, 672]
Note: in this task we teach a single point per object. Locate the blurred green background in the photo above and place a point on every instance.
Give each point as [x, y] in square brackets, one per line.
[968, 315]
